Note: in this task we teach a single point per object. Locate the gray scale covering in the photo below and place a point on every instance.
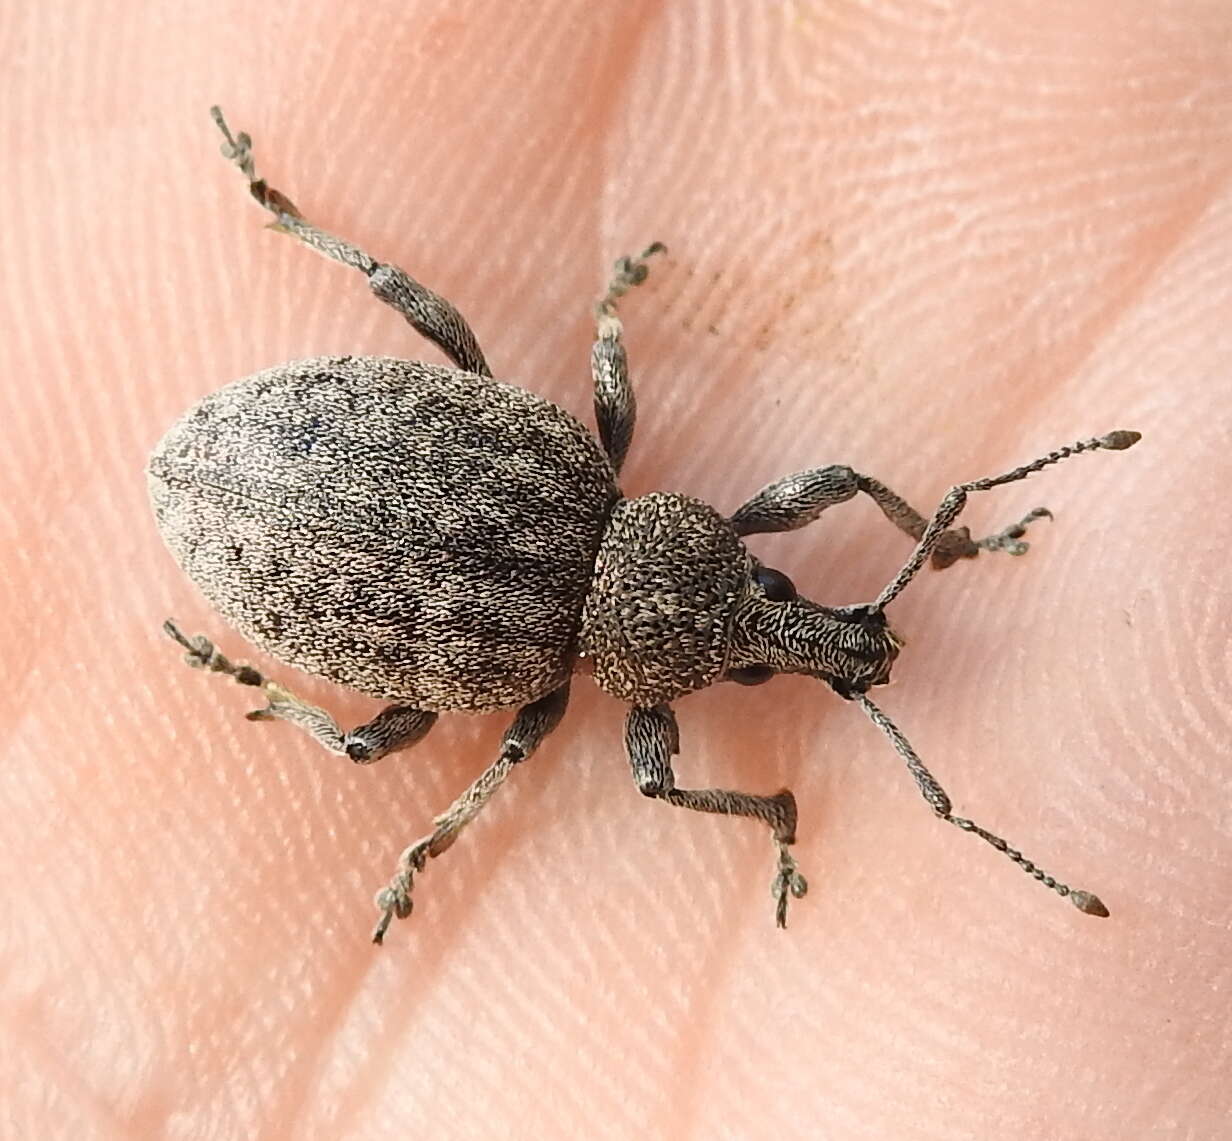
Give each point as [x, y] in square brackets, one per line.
[417, 533]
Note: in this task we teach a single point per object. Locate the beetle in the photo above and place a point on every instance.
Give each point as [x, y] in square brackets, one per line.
[446, 542]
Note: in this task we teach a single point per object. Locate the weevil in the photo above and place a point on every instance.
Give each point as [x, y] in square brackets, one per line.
[445, 542]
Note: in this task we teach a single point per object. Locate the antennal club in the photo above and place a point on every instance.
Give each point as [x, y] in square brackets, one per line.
[956, 498]
[936, 796]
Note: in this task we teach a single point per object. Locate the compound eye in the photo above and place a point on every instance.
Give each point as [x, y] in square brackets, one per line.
[751, 675]
[776, 586]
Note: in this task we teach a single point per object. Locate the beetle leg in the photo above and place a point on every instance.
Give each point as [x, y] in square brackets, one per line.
[395, 727]
[615, 405]
[532, 724]
[652, 738]
[429, 313]
[796, 500]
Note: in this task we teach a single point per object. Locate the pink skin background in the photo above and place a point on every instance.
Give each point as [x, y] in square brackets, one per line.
[927, 240]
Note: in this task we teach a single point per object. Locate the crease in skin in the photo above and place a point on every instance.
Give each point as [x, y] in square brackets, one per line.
[1139, 273]
[403, 1021]
[295, 1104]
[70, 1084]
[619, 63]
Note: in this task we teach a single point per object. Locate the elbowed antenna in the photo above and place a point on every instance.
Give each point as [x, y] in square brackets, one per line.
[947, 511]
[956, 498]
[932, 791]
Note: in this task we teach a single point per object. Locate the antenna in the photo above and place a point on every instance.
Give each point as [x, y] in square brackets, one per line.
[936, 796]
[956, 498]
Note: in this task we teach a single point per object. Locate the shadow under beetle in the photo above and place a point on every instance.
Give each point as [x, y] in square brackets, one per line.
[432, 537]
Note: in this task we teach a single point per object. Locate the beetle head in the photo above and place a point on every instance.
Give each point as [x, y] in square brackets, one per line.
[851, 648]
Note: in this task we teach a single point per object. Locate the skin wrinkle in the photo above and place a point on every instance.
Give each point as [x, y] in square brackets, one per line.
[294, 1099]
[1138, 275]
[506, 158]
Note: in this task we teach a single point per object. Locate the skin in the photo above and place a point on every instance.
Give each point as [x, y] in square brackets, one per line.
[928, 242]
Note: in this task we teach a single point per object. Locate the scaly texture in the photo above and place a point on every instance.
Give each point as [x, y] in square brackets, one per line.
[413, 532]
[667, 580]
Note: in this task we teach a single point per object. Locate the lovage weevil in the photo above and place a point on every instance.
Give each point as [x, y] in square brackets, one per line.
[435, 538]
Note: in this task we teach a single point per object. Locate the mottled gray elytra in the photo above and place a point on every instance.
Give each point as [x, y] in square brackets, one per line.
[438, 539]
